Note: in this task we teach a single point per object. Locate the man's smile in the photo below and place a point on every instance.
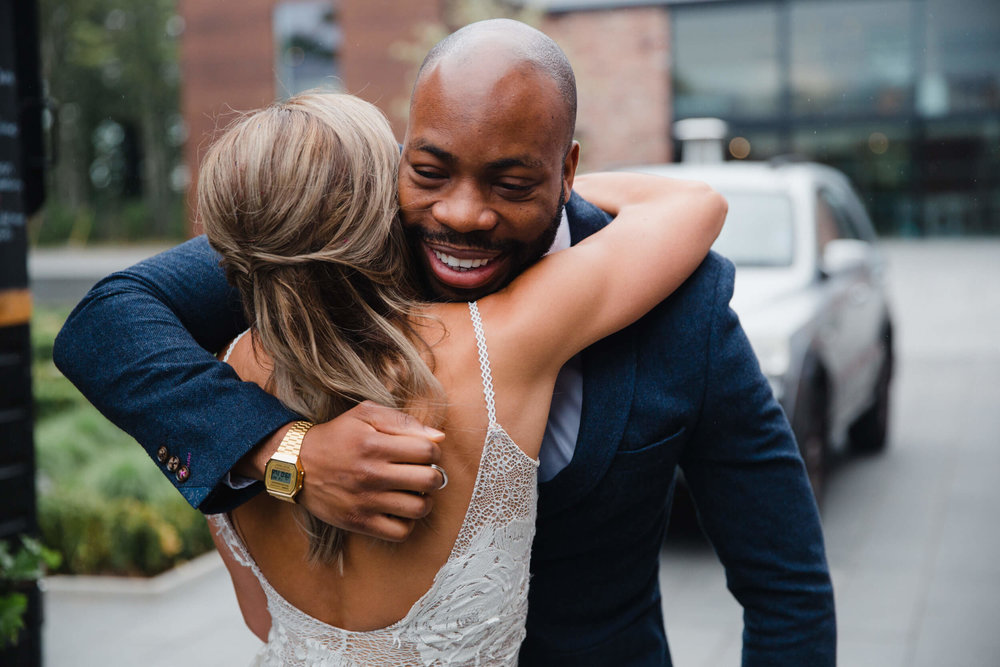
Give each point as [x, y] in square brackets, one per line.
[456, 263]
[464, 268]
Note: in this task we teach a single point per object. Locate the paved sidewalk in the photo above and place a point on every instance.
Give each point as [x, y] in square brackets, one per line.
[188, 616]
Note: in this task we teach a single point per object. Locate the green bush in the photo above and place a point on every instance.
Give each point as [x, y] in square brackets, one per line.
[70, 523]
[102, 502]
[53, 393]
[107, 221]
[59, 223]
[120, 535]
[70, 441]
[45, 324]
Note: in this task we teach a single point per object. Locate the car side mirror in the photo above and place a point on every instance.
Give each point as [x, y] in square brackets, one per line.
[844, 255]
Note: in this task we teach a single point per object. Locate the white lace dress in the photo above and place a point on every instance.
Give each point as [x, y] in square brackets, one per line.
[474, 612]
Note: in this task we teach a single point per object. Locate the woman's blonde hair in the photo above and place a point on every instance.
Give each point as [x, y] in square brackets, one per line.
[300, 200]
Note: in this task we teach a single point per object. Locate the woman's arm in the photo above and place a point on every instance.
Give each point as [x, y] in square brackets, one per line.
[662, 231]
[249, 594]
[610, 191]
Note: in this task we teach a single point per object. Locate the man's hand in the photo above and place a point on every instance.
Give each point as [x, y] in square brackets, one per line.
[364, 470]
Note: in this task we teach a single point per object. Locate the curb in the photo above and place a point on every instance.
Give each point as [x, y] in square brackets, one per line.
[83, 262]
[183, 575]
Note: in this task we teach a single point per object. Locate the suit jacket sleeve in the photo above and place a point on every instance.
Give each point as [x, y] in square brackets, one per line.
[754, 502]
[140, 347]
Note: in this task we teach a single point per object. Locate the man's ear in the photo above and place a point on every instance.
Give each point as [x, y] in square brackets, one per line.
[569, 168]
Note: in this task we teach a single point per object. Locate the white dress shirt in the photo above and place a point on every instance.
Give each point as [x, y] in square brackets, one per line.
[559, 441]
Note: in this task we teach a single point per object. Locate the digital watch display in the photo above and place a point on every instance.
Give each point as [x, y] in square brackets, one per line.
[284, 474]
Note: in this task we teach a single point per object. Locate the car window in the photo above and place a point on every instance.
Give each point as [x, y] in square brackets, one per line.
[826, 224]
[858, 215]
[832, 220]
[759, 230]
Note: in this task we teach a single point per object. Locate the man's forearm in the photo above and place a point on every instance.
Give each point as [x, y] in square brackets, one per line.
[136, 348]
[140, 347]
[251, 465]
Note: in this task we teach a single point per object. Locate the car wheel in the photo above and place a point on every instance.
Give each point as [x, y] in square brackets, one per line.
[812, 432]
[869, 433]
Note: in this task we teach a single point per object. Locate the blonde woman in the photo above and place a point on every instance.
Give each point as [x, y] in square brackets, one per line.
[300, 200]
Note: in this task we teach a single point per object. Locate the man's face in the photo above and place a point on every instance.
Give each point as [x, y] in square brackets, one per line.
[483, 177]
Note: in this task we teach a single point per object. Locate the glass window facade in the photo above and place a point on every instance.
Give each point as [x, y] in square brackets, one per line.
[958, 176]
[901, 95]
[851, 56]
[307, 39]
[961, 68]
[878, 158]
[708, 80]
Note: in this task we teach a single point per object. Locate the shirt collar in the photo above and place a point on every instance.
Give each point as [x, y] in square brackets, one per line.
[562, 240]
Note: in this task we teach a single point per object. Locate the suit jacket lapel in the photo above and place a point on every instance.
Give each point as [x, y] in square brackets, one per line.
[608, 385]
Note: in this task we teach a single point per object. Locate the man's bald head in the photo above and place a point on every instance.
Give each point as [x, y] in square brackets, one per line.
[488, 160]
[504, 45]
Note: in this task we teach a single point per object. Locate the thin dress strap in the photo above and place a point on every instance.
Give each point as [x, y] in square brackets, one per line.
[229, 350]
[484, 363]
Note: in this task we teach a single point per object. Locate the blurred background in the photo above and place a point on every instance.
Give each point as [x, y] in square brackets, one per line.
[902, 95]
[114, 101]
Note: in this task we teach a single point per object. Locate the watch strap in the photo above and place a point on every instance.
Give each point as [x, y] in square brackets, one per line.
[292, 442]
[287, 455]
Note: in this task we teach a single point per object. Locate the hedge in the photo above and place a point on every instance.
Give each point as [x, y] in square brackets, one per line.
[102, 503]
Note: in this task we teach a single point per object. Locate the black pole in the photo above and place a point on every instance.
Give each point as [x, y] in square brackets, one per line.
[21, 194]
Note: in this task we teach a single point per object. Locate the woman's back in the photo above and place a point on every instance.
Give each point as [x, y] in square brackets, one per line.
[457, 588]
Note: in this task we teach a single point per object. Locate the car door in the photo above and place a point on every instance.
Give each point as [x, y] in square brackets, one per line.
[854, 302]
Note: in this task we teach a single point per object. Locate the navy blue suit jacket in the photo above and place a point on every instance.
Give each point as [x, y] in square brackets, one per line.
[681, 387]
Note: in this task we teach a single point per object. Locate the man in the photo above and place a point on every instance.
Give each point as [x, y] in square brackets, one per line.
[482, 189]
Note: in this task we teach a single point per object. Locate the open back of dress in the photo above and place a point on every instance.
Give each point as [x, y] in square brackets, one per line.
[473, 614]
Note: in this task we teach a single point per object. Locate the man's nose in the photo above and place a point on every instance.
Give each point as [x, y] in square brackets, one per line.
[464, 208]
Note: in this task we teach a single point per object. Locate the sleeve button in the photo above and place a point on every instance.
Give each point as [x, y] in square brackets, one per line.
[173, 463]
[183, 472]
[162, 454]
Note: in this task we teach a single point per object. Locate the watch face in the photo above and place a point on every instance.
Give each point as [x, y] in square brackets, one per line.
[281, 477]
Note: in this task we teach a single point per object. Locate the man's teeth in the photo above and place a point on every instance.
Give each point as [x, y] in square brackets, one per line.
[460, 264]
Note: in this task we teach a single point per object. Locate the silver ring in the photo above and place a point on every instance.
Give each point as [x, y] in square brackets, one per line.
[444, 476]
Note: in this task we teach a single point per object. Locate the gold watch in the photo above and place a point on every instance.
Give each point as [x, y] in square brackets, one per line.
[284, 474]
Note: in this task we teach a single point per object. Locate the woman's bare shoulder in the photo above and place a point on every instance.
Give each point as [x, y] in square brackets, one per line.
[249, 360]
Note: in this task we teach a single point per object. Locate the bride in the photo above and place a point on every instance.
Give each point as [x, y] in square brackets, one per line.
[300, 200]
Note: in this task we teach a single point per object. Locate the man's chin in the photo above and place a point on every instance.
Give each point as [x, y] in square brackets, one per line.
[441, 291]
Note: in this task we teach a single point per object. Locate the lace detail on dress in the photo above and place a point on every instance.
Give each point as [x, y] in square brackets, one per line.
[475, 610]
[229, 350]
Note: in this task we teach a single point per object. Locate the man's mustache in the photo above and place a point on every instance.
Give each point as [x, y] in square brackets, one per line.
[479, 240]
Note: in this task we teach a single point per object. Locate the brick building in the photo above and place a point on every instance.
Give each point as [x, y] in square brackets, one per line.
[240, 56]
[902, 95]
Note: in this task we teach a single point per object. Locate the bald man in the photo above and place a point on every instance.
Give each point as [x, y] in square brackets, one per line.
[485, 189]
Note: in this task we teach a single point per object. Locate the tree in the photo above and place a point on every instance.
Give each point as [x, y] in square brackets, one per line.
[110, 67]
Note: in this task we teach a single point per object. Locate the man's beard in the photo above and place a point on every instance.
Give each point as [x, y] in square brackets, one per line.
[522, 254]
